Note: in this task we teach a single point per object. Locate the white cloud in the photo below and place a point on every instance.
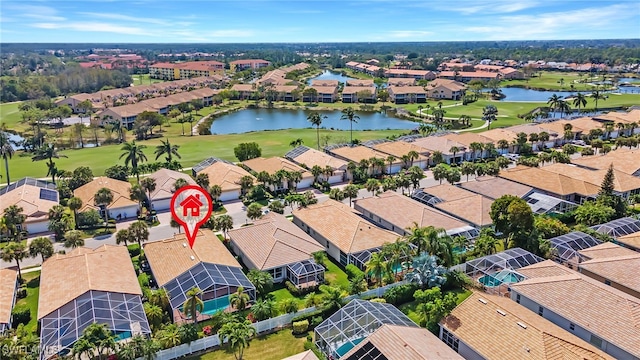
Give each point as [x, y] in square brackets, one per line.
[94, 27]
[39, 12]
[134, 19]
[403, 34]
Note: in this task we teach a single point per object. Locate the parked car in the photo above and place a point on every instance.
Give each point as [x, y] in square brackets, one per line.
[578, 142]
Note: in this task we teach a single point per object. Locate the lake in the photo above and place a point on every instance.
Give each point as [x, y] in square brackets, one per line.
[520, 94]
[330, 75]
[277, 119]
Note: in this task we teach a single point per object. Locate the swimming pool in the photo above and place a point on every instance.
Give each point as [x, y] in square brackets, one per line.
[499, 278]
[214, 306]
[346, 347]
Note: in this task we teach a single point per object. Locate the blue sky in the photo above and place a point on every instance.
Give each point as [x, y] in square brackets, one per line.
[212, 21]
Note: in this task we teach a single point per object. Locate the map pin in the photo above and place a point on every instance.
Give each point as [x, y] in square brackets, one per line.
[191, 207]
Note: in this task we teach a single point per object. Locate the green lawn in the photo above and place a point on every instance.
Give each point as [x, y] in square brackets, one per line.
[282, 293]
[143, 79]
[274, 346]
[192, 149]
[550, 80]
[9, 114]
[32, 279]
[334, 275]
[409, 308]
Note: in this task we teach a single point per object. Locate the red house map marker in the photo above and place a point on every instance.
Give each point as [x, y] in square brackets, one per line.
[191, 207]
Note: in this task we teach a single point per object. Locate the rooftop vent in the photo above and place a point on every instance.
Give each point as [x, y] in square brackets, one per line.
[192, 257]
[483, 301]
[501, 312]
[184, 245]
[522, 325]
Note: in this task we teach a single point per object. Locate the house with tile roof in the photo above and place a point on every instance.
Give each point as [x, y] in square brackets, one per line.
[599, 314]
[8, 289]
[346, 236]
[357, 154]
[275, 164]
[227, 176]
[408, 81]
[509, 331]
[355, 94]
[495, 187]
[88, 286]
[631, 241]
[622, 159]
[307, 355]
[399, 213]
[177, 268]
[121, 207]
[468, 138]
[472, 208]
[307, 158]
[244, 64]
[275, 245]
[165, 179]
[35, 197]
[398, 149]
[407, 94]
[394, 342]
[326, 91]
[610, 264]
[446, 89]
[444, 146]
[408, 73]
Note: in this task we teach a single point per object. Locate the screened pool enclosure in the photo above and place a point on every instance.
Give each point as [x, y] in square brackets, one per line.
[305, 274]
[350, 325]
[619, 227]
[566, 247]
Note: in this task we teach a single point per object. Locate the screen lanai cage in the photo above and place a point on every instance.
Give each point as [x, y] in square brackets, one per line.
[619, 227]
[566, 247]
[495, 272]
[361, 258]
[122, 313]
[217, 283]
[346, 328]
[206, 163]
[305, 274]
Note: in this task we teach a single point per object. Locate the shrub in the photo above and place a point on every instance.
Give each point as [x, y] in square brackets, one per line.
[298, 292]
[90, 219]
[316, 320]
[300, 327]
[353, 271]
[400, 294]
[378, 300]
[143, 279]
[308, 345]
[307, 316]
[22, 293]
[134, 250]
[207, 330]
[21, 315]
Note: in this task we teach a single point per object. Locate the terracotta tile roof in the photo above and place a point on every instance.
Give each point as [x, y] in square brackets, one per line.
[448, 192]
[358, 153]
[632, 240]
[550, 181]
[449, 84]
[357, 89]
[327, 83]
[8, 279]
[127, 110]
[623, 182]
[273, 241]
[467, 138]
[120, 190]
[606, 312]
[500, 134]
[165, 179]
[407, 89]
[544, 269]
[621, 117]
[518, 334]
[28, 198]
[402, 212]
[407, 72]
[65, 277]
[472, 209]
[495, 187]
[343, 227]
[171, 257]
[606, 250]
[243, 87]
[285, 88]
[617, 269]
[227, 176]
[623, 159]
[438, 143]
[400, 148]
[249, 61]
[307, 355]
[273, 164]
[470, 74]
[396, 342]
[535, 128]
[312, 157]
[401, 81]
[325, 89]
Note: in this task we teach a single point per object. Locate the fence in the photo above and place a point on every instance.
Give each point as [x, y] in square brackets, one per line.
[277, 322]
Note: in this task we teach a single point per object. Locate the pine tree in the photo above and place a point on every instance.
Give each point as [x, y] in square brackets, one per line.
[608, 198]
[606, 189]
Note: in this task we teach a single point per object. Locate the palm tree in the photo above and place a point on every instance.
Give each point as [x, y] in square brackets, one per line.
[168, 150]
[149, 185]
[78, 129]
[554, 101]
[14, 251]
[49, 152]
[372, 185]
[123, 236]
[376, 267]
[564, 108]
[332, 297]
[215, 191]
[316, 120]
[467, 168]
[350, 191]
[598, 95]
[154, 315]
[102, 199]
[239, 299]
[579, 100]
[41, 246]
[454, 150]
[437, 157]
[179, 183]
[6, 151]
[297, 142]
[288, 306]
[74, 205]
[139, 232]
[475, 147]
[489, 114]
[224, 223]
[426, 272]
[349, 114]
[73, 239]
[237, 335]
[137, 193]
[261, 280]
[263, 309]
[193, 305]
[82, 349]
[169, 336]
[133, 155]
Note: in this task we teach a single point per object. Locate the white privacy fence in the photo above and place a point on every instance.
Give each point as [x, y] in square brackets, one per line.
[260, 326]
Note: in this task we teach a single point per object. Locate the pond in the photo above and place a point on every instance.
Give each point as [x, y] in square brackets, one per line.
[330, 75]
[530, 95]
[278, 119]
